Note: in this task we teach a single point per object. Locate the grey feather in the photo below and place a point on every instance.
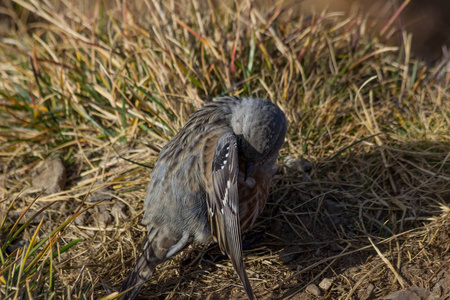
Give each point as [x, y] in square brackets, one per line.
[193, 193]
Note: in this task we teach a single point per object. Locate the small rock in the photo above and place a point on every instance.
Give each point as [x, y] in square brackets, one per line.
[51, 176]
[326, 283]
[369, 292]
[105, 219]
[437, 292]
[313, 290]
[299, 164]
[290, 253]
[411, 293]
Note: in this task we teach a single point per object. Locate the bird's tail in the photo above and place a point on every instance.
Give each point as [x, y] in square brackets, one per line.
[144, 267]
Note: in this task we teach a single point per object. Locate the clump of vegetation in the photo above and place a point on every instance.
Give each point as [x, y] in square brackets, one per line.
[361, 197]
[33, 268]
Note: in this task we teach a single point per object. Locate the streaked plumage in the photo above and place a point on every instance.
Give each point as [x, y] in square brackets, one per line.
[211, 179]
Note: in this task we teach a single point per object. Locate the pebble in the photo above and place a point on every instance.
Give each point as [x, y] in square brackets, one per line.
[301, 165]
[369, 292]
[326, 283]
[313, 290]
[50, 175]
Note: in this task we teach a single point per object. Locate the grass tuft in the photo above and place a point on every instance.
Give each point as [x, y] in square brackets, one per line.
[362, 192]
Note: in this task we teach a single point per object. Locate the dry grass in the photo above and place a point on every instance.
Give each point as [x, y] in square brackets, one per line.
[363, 192]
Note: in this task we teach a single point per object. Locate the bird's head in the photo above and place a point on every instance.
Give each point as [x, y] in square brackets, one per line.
[260, 127]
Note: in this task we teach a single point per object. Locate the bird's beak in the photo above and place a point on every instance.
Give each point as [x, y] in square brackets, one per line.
[248, 169]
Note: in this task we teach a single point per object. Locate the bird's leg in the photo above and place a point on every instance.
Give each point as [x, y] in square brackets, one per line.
[188, 262]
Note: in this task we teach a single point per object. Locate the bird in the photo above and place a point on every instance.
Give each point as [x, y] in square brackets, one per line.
[210, 182]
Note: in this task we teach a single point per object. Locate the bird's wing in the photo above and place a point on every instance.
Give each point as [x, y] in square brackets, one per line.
[223, 204]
